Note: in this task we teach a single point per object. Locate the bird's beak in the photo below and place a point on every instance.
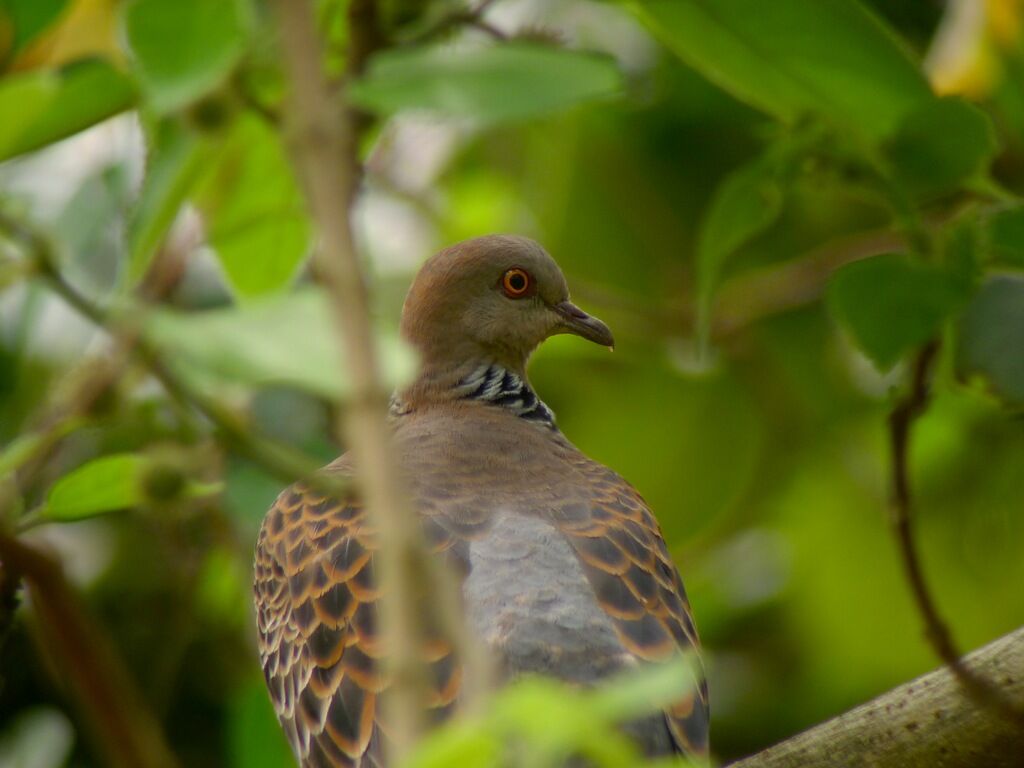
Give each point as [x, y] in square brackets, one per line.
[575, 320]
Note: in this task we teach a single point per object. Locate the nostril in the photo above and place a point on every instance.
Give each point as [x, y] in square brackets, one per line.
[570, 309]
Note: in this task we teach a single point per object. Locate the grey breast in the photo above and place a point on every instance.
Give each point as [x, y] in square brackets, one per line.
[528, 598]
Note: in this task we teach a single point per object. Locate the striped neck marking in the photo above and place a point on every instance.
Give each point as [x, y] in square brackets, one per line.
[491, 383]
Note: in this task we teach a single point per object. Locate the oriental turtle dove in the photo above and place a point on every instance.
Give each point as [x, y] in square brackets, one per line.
[563, 568]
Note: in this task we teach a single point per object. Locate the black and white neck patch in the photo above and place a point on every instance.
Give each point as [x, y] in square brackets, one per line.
[491, 383]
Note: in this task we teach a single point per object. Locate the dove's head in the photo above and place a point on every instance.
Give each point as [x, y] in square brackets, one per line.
[495, 297]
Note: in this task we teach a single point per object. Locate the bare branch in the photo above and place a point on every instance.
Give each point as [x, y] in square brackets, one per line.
[901, 421]
[124, 730]
[929, 722]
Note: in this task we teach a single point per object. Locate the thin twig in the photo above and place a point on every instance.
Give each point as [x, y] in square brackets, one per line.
[281, 461]
[901, 422]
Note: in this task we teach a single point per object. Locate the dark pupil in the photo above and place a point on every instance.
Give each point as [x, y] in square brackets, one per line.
[516, 282]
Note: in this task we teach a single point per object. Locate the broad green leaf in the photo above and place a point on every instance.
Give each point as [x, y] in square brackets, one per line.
[176, 162]
[285, 339]
[22, 99]
[503, 82]
[40, 108]
[29, 18]
[991, 337]
[795, 57]
[103, 485]
[940, 145]
[184, 48]
[745, 204]
[890, 304]
[1006, 236]
[255, 216]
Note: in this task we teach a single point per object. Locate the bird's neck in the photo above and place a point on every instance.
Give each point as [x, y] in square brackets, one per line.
[484, 381]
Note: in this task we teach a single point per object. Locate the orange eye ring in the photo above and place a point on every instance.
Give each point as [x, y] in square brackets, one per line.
[516, 283]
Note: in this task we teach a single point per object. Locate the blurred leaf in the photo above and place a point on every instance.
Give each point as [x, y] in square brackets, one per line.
[502, 82]
[255, 216]
[792, 57]
[282, 339]
[890, 304]
[176, 160]
[29, 18]
[102, 485]
[991, 337]
[745, 204]
[40, 108]
[22, 99]
[255, 738]
[940, 145]
[1006, 236]
[84, 29]
[184, 48]
[467, 744]
[646, 689]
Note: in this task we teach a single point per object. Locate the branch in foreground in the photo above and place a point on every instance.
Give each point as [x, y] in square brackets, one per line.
[124, 730]
[929, 722]
[901, 422]
[323, 151]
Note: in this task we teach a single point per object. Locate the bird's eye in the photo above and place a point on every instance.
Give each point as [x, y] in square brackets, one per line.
[515, 283]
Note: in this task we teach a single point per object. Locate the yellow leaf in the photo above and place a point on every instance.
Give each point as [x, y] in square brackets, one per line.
[86, 28]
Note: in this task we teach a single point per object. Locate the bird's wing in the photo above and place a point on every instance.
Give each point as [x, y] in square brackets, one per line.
[618, 541]
[317, 619]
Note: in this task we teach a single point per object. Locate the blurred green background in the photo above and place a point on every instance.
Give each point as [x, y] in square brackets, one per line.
[763, 451]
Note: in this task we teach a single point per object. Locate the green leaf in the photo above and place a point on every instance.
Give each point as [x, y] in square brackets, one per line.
[285, 339]
[646, 689]
[468, 744]
[991, 337]
[941, 145]
[184, 48]
[745, 204]
[40, 108]
[176, 162]
[102, 485]
[793, 57]
[504, 82]
[255, 215]
[890, 304]
[1006, 236]
[29, 18]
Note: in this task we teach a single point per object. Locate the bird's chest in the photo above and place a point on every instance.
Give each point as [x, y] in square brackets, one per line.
[528, 598]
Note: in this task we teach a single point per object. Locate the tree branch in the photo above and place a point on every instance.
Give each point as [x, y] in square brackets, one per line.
[930, 722]
[124, 730]
[323, 149]
[901, 422]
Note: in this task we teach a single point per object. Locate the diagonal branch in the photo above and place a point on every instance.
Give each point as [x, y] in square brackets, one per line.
[930, 722]
[125, 731]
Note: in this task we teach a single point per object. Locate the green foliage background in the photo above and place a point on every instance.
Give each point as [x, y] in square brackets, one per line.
[767, 201]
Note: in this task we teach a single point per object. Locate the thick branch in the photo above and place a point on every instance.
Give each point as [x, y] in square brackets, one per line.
[929, 722]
